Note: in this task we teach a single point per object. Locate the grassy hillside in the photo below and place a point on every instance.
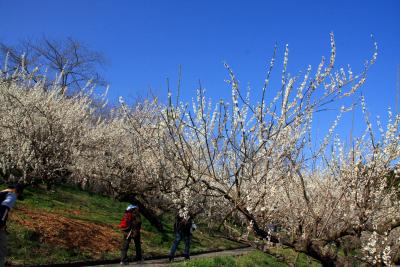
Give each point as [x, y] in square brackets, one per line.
[69, 225]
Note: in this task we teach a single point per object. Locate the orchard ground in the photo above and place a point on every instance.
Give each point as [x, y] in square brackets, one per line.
[69, 225]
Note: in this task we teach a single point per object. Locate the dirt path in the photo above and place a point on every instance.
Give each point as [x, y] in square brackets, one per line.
[164, 261]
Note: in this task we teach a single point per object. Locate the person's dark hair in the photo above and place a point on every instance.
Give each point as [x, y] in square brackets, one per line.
[19, 188]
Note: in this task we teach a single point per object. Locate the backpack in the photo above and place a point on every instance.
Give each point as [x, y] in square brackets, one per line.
[126, 220]
[131, 220]
[183, 225]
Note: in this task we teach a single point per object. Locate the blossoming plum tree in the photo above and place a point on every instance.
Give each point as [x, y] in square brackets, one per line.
[40, 130]
[254, 160]
[258, 158]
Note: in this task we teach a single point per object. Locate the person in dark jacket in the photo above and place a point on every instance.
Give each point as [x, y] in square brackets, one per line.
[183, 230]
[132, 231]
[9, 197]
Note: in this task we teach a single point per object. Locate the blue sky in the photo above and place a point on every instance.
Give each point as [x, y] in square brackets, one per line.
[146, 41]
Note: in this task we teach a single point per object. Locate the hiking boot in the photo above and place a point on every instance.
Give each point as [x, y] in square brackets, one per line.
[187, 258]
[170, 258]
[123, 263]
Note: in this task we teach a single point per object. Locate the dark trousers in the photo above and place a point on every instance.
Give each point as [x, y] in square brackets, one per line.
[3, 247]
[135, 235]
[178, 237]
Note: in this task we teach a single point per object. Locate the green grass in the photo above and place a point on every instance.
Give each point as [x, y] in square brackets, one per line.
[253, 259]
[92, 207]
[296, 258]
[26, 247]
